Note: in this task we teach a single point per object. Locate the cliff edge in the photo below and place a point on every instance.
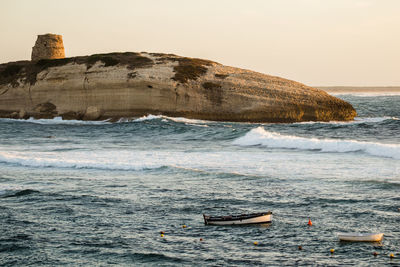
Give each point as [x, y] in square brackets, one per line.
[116, 85]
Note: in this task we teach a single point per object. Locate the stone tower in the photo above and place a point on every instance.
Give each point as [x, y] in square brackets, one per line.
[48, 46]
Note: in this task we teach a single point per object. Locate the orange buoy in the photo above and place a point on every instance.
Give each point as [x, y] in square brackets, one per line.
[255, 243]
[201, 239]
[184, 226]
[332, 250]
[391, 255]
[300, 247]
[162, 232]
[309, 222]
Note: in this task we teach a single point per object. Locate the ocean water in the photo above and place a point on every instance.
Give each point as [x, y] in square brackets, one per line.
[98, 193]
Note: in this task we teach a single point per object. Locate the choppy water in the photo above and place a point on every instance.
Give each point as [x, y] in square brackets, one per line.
[98, 193]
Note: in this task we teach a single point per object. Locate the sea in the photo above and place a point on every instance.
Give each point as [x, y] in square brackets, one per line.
[133, 192]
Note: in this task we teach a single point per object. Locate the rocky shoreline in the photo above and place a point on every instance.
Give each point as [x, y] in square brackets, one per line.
[124, 85]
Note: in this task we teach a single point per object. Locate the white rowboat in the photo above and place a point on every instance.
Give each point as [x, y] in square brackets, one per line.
[360, 237]
[253, 218]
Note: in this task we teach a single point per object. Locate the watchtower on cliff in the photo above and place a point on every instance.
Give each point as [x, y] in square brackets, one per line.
[48, 46]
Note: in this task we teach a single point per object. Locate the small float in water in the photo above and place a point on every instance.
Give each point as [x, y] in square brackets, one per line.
[253, 218]
[360, 237]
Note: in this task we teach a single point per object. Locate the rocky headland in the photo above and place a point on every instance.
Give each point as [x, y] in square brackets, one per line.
[117, 85]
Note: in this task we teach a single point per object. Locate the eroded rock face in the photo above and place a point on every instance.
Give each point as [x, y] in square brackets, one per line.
[48, 46]
[135, 84]
[45, 110]
[92, 113]
[22, 114]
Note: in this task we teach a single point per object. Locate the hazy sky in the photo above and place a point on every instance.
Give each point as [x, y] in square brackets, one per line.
[316, 42]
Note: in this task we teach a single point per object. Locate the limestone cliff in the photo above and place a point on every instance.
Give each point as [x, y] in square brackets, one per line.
[129, 84]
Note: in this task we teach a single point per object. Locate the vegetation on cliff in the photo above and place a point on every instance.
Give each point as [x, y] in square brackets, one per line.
[135, 84]
[28, 70]
[186, 69]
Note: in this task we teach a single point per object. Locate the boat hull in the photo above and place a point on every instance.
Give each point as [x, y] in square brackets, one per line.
[356, 237]
[267, 218]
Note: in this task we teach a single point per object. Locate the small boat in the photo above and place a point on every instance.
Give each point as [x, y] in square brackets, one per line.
[360, 237]
[253, 218]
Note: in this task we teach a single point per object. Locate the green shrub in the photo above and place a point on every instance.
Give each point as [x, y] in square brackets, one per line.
[211, 86]
[190, 69]
[130, 59]
[221, 76]
[47, 63]
[91, 60]
[109, 61]
[28, 70]
[11, 70]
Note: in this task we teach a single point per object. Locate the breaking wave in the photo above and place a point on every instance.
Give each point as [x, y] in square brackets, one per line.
[59, 120]
[374, 119]
[175, 119]
[121, 160]
[259, 136]
[357, 120]
[194, 122]
[77, 161]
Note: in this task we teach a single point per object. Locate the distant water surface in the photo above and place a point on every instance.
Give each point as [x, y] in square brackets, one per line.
[99, 193]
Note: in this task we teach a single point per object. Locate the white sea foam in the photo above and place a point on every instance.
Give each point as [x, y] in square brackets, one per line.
[259, 136]
[192, 122]
[235, 161]
[149, 118]
[59, 120]
[130, 160]
[79, 160]
[373, 119]
[175, 119]
[357, 120]
[115, 159]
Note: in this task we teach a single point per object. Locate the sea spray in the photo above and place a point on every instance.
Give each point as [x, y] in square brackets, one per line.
[259, 136]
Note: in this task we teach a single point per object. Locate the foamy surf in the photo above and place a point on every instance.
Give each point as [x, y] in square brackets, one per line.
[125, 160]
[59, 120]
[115, 160]
[374, 119]
[78, 160]
[357, 120]
[259, 136]
[192, 122]
[175, 119]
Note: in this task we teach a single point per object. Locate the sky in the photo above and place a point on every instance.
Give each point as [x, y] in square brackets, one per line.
[316, 42]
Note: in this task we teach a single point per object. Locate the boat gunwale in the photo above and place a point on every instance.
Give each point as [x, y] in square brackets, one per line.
[358, 234]
[209, 218]
[360, 237]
